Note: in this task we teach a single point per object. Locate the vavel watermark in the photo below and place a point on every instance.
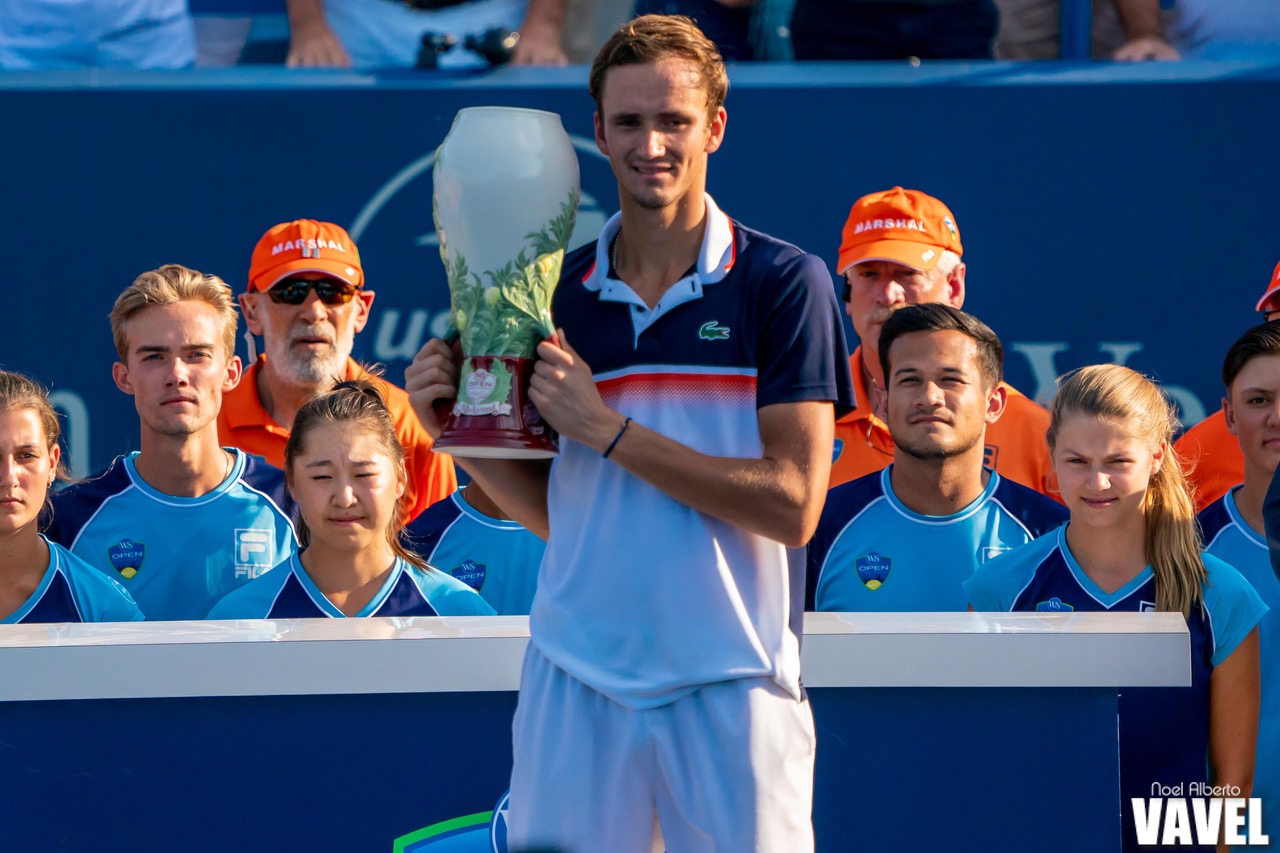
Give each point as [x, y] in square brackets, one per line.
[1198, 813]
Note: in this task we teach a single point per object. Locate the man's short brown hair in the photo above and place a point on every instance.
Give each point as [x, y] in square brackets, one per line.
[652, 38]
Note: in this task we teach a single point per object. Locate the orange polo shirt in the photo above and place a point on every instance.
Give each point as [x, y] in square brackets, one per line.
[1015, 444]
[1212, 458]
[244, 423]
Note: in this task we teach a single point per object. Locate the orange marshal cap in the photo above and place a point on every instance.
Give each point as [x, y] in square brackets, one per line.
[1273, 290]
[903, 226]
[304, 245]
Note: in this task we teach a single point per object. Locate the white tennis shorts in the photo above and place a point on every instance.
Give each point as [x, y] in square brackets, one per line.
[727, 768]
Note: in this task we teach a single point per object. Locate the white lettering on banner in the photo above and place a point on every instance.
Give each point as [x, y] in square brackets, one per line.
[384, 346]
[420, 325]
[1119, 351]
[1199, 820]
[881, 224]
[1041, 356]
[296, 245]
[76, 435]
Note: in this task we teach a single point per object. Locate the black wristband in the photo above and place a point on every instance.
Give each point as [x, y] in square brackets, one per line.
[617, 438]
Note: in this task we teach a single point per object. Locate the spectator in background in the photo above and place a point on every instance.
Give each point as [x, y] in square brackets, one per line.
[879, 539]
[389, 33]
[1235, 525]
[1209, 450]
[893, 29]
[902, 247]
[306, 298]
[725, 22]
[471, 538]
[183, 521]
[48, 34]
[1031, 29]
[1214, 29]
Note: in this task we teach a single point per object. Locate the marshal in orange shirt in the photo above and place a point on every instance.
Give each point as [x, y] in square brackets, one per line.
[1212, 458]
[244, 423]
[1015, 444]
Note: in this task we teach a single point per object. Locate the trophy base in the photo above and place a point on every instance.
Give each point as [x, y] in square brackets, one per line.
[460, 446]
[493, 418]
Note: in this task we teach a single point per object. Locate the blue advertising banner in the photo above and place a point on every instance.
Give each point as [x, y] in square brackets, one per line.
[897, 770]
[1120, 213]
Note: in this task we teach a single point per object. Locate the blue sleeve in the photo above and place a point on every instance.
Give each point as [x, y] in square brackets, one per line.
[994, 587]
[1271, 521]
[803, 355]
[253, 600]
[451, 597]
[121, 608]
[101, 599]
[268, 480]
[422, 535]
[1235, 608]
[74, 505]
[229, 607]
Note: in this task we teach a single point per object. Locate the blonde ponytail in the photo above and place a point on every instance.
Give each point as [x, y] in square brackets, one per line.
[1120, 395]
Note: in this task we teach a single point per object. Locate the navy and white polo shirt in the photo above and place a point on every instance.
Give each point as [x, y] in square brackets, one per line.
[641, 597]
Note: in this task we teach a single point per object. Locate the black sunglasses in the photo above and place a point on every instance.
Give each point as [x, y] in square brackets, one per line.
[330, 291]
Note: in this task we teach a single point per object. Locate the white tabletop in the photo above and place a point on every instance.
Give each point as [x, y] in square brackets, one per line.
[482, 653]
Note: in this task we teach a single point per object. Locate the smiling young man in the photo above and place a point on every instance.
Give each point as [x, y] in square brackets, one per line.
[905, 538]
[688, 462]
[902, 247]
[1237, 527]
[182, 521]
[307, 300]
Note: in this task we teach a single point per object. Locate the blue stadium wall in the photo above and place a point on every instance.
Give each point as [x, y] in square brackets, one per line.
[1122, 213]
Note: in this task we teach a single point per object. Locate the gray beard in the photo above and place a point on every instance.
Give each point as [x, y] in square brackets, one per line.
[320, 370]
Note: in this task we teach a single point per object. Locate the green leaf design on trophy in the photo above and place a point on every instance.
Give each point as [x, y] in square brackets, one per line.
[507, 311]
[483, 391]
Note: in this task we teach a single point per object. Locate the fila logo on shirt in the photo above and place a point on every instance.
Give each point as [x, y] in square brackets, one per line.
[1197, 813]
[254, 552]
[126, 557]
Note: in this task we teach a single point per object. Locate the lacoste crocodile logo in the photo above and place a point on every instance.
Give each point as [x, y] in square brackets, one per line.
[713, 332]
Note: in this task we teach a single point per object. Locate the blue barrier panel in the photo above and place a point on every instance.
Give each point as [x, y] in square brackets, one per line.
[952, 732]
[1108, 212]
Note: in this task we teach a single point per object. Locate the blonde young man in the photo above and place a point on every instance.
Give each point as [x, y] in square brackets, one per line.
[692, 386]
[307, 300]
[182, 521]
[902, 247]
